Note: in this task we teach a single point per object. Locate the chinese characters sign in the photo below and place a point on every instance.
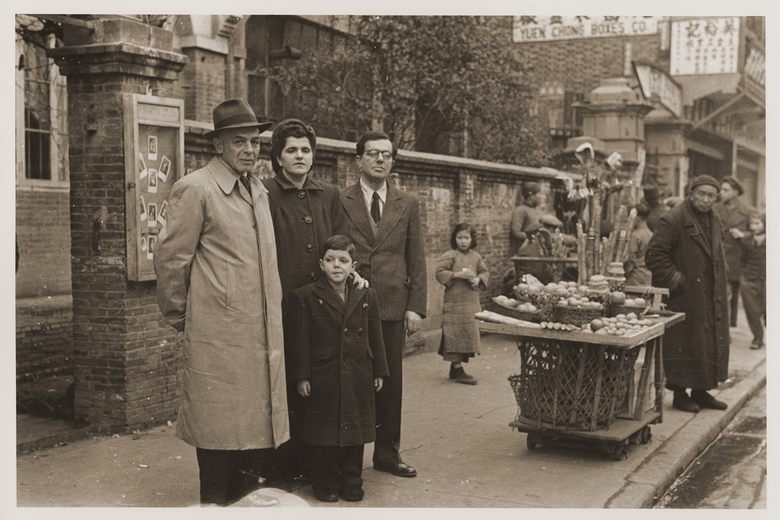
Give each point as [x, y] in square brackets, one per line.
[656, 82]
[755, 66]
[549, 28]
[705, 46]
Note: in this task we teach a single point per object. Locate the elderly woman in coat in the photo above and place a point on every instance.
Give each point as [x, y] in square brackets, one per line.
[218, 282]
[686, 256]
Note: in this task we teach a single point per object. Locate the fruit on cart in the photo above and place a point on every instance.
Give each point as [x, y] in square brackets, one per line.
[553, 325]
[617, 298]
[596, 325]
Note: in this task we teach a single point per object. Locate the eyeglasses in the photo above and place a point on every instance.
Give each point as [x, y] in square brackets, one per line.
[374, 154]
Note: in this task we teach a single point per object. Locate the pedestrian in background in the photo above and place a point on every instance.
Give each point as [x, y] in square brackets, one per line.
[637, 272]
[657, 208]
[218, 282]
[525, 216]
[686, 256]
[462, 272]
[384, 223]
[337, 360]
[753, 280]
[734, 213]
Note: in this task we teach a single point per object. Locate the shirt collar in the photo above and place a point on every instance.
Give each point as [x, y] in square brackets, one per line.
[368, 192]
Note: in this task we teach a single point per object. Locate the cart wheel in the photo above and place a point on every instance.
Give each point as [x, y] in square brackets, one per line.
[619, 453]
[532, 441]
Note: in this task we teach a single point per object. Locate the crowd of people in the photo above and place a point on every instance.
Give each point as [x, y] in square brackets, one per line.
[295, 298]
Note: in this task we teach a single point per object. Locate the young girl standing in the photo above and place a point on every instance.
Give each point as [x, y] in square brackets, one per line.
[462, 272]
[753, 283]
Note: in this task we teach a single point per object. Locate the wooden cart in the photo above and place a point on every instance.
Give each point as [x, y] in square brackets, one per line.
[628, 422]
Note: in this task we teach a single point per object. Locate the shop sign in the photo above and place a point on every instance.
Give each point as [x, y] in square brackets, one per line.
[654, 81]
[549, 28]
[755, 66]
[705, 46]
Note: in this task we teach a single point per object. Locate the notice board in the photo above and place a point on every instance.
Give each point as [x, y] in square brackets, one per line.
[154, 160]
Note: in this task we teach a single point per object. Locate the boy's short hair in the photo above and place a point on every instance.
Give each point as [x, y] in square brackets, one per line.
[758, 215]
[339, 243]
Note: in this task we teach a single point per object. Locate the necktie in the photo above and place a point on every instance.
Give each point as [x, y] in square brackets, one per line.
[375, 208]
[244, 178]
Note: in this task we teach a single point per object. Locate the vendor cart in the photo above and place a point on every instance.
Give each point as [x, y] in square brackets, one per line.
[583, 389]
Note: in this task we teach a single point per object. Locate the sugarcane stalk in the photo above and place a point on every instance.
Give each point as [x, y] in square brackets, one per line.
[580, 254]
[608, 249]
[629, 235]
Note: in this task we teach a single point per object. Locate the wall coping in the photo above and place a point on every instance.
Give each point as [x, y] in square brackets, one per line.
[36, 303]
[348, 148]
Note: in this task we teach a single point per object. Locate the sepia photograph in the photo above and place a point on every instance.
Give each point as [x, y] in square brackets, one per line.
[499, 264]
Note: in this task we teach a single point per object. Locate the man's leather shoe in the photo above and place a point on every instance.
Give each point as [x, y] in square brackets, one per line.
[352, 494]
[326, 495]
[683, 402]
[400, 469]
[705, 400]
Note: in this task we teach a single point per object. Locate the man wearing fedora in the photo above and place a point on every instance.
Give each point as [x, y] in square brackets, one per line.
[217, 281]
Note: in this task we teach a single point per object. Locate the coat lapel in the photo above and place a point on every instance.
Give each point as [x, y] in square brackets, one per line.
[326, 294]
[695, 232]
[394, 209]
[354, 297]
[355, 207]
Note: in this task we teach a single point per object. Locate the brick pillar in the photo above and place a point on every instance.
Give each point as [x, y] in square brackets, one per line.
[125, 359]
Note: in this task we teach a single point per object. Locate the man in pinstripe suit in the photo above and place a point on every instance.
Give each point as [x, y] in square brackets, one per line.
[384, 223]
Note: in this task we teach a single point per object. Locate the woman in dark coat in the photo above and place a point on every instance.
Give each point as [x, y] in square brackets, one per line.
[686, 256]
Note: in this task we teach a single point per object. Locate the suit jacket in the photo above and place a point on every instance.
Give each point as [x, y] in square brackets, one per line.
[393, 261]
[338, 347]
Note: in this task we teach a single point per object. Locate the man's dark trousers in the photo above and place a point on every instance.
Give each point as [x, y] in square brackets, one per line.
[388, 400]
[228, 475]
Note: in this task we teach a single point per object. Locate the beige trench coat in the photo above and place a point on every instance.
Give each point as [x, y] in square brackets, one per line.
[217, 280]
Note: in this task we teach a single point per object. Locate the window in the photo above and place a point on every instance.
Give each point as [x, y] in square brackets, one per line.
[37, 120]
[41, 117]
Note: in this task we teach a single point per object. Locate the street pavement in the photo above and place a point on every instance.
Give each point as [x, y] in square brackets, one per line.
[457, 436]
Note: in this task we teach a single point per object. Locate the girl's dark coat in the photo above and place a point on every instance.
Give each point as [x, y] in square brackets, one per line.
[338, 347]
[696, 351]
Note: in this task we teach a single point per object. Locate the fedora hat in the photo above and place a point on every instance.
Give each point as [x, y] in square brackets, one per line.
[235, 113]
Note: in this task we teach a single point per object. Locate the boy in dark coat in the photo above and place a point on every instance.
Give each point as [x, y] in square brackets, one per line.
[338, 362]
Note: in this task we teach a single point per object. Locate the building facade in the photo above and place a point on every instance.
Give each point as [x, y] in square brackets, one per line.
[703, 75]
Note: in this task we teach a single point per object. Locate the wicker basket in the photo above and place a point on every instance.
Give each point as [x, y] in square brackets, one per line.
[614, 310]
[577, 315]
[512, 312]
[557, 383]
[546, 305]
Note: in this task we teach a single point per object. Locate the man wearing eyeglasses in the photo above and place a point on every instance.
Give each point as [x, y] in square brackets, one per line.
[384, 223]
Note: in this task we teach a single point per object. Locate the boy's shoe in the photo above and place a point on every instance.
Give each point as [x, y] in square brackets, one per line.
[460, 376]
[325, 495]
[705, 400]
[352, 494]
[683, 402]
[756, 345]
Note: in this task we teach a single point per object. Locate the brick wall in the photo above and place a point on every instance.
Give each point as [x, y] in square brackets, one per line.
[125, 358]
[580, 64]
[203, 82]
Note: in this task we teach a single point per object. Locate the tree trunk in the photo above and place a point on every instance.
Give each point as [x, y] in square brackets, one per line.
[377, 109]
